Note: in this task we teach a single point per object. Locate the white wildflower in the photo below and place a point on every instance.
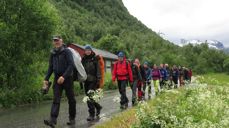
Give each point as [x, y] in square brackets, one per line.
[85, 99]
[116, 99]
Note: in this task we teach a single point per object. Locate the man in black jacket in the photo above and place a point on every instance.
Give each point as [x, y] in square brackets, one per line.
[91, 65]
[61, 63]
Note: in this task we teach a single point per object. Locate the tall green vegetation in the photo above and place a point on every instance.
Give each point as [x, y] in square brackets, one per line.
[25, 30]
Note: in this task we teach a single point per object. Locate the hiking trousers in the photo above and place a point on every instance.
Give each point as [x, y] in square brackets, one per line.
[156, 84]
[122, 90]
[92, 105]
[57, 93]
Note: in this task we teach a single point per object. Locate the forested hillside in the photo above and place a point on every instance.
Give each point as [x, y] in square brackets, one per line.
[107, 24]
[26, 27]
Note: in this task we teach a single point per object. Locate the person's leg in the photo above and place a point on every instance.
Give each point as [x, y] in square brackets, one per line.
[158, 86]
[175, 80]
[134, 87]
[139, 86]
[171, 82]
[182, 80]
[96, 105]
[123, 90]
[120, 92]
[57, 92]
[98, 108]
[68, 85]
[144, 89]
[90, 102]
[149, 89]
[155, 83]
[160, 83]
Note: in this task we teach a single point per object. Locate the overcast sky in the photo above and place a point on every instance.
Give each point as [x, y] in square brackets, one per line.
[188, 19]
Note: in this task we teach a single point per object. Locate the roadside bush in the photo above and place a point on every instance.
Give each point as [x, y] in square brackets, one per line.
[108, 84]
[197, 106]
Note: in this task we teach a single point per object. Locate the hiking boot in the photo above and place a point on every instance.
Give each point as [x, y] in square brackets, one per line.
[71, 122]
[50, 123]
[98, 111]
[90, 118]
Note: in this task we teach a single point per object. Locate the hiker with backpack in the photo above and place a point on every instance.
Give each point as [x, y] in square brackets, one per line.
[61, 64]
[156, 76]
[175, 75]
[163, 72]
[122, 73]
[181, 76]
[91, 64]
[137, 79]
[186, 78]
[169, 80]
[148, 72]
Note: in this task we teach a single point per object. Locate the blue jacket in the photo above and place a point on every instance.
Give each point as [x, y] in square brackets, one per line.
[164, 73]
[148, 73]
[61, 63]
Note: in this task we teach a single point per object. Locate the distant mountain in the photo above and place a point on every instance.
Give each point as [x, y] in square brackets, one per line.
[211, 43]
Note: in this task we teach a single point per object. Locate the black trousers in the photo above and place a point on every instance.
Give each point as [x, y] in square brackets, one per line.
[175, 80]
[92, 105]
[122, 90]
[57, 90]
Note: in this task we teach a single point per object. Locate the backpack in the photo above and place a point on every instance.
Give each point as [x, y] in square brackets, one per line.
[102, 70]
[127, 63]
[79, 73]
[143, 73]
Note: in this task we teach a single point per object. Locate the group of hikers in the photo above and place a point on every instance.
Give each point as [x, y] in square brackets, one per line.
[140, 76]
[61, 63]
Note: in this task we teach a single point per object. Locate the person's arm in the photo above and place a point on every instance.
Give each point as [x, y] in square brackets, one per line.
[50, 68]
[160, 76]
[139, 72]
[150, 74]
[98, 72]
[114, 73]
[69, 59]
[130, 73]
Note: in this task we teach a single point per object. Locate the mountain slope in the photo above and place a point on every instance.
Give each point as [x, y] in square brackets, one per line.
[100, 21]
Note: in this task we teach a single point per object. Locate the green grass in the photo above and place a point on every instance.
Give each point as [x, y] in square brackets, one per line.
[108, 84]
[122, 120]
[203, 104]
[215, 79]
